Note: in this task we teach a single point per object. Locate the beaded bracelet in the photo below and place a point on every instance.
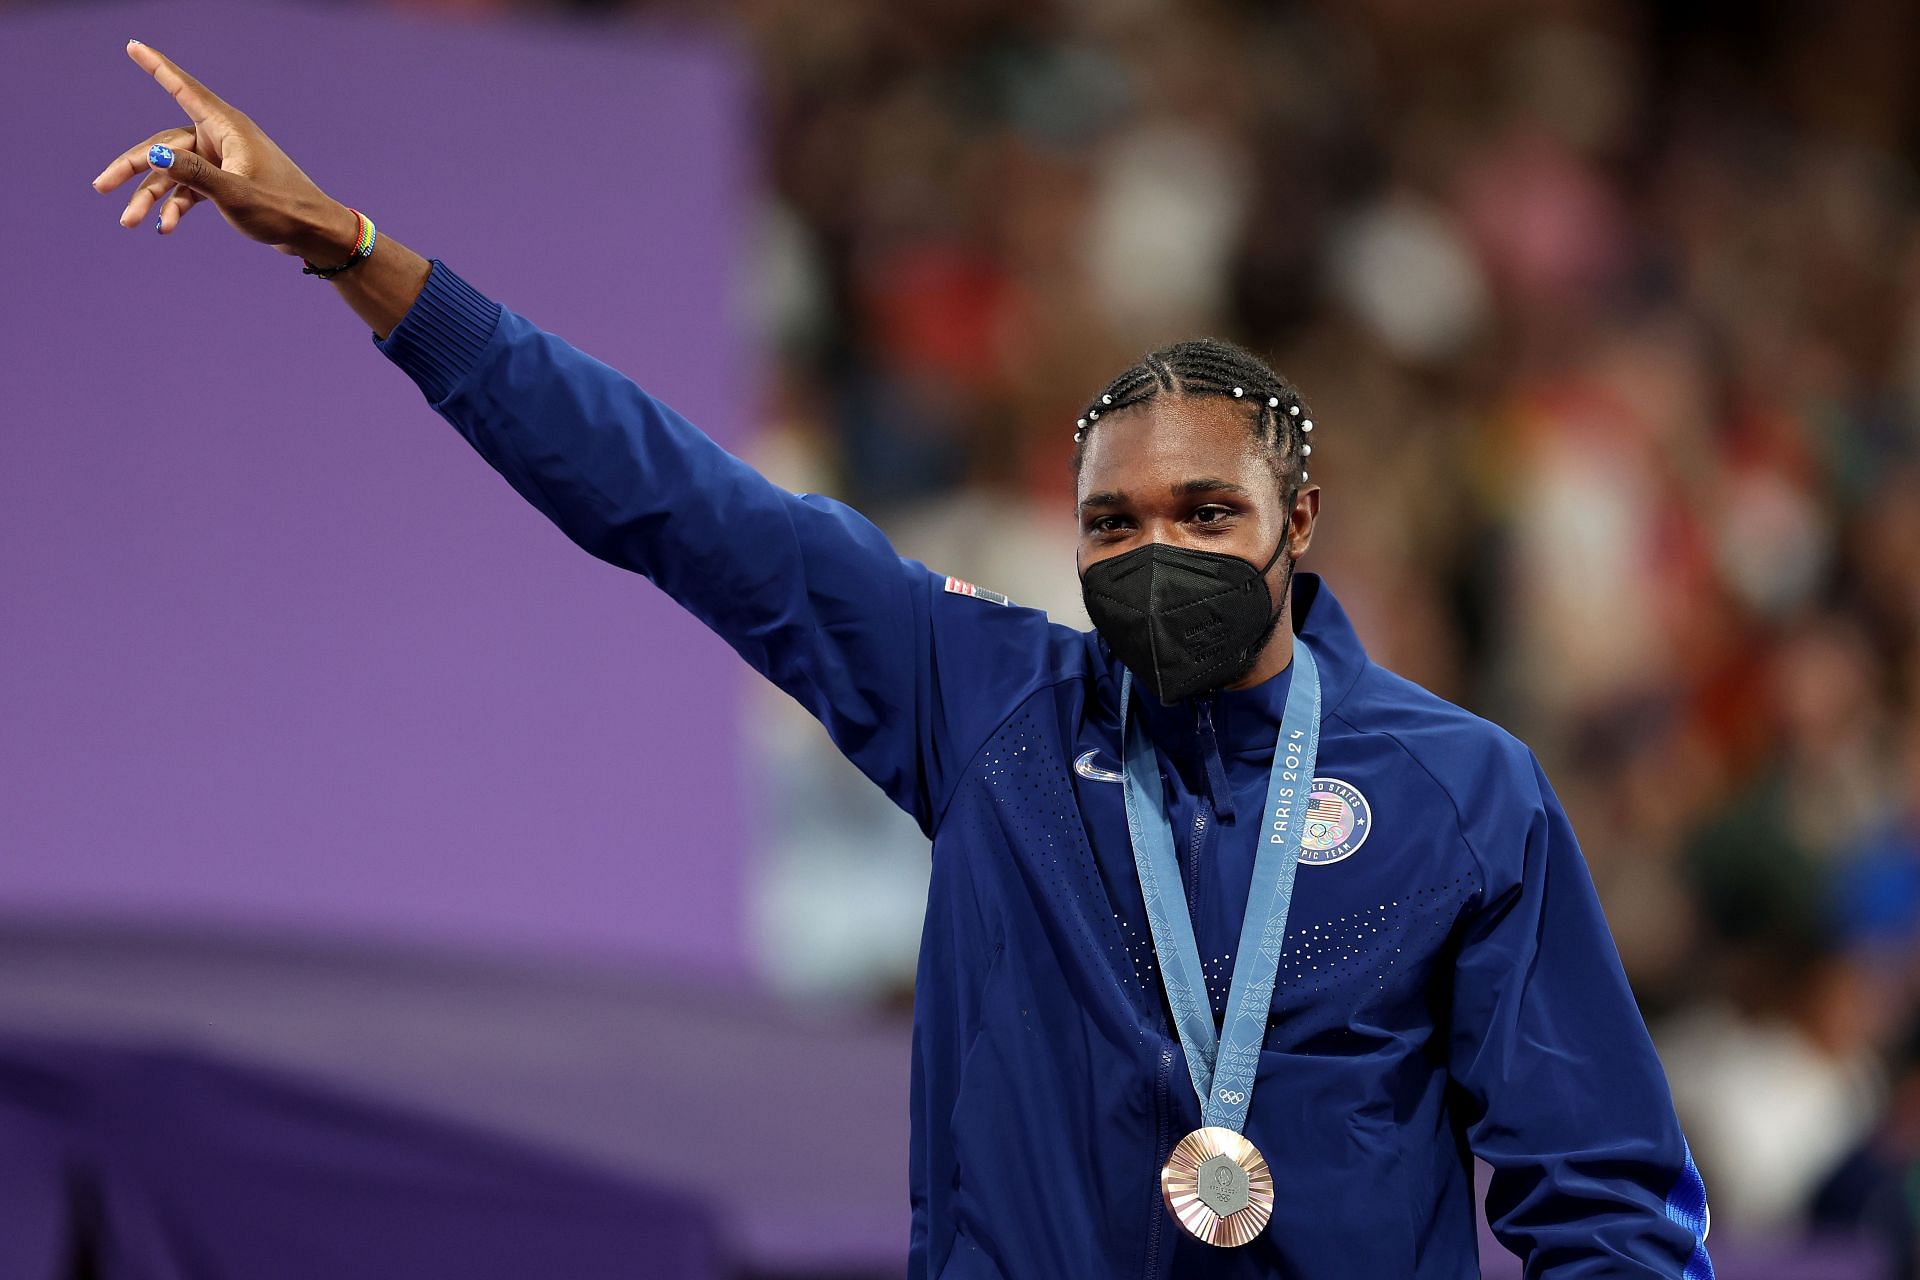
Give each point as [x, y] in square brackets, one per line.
[361, 249]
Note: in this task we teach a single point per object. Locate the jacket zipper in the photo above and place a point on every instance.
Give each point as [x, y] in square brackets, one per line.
[1202, 813]
[1162, 1149]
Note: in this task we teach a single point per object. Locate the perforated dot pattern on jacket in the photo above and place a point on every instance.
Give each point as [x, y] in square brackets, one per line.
[1330, 970]
[1027, 776]
[1218, 972]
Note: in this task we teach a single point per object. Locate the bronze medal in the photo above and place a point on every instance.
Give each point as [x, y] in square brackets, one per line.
[1218, 1187]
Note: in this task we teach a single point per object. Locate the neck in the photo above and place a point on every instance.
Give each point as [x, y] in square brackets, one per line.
[1276, 657]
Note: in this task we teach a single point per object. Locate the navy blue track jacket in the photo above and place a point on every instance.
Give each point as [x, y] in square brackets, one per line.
[1448, 984]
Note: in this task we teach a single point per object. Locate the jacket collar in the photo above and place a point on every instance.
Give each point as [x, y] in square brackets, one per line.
[1318, 617]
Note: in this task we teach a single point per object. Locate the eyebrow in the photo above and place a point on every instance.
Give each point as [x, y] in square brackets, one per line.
[1210, 484]
[1185, 488]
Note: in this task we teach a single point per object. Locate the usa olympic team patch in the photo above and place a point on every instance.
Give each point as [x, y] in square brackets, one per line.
[960, 587]
[1339, 820]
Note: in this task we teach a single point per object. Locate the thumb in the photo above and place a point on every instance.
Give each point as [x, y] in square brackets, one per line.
[195, 172]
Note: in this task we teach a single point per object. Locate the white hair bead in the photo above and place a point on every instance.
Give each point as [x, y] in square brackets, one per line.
[1077, 436]
[1303, 475]
[1306, 451]
[1106, 399]
[1273, 402]
[1082, 424]
[1306, 424]
[1238, 392]
[1294, 409]
[1093, 414]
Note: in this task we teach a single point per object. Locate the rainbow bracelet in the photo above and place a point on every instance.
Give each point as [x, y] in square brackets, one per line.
[361, 250]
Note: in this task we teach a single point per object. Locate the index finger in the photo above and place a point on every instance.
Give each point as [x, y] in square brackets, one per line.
[199, 102]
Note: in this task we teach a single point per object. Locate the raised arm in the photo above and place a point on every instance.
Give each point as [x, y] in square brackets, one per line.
[907, 677]
[804, 588]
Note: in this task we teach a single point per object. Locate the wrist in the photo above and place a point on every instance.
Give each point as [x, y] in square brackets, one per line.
[333, 233]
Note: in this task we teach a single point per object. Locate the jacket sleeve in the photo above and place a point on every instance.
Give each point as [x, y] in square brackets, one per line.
[1563, 1093]
[803, 587]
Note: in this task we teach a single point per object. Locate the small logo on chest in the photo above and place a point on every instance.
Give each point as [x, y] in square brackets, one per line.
[1087, 765]
[1339, 820]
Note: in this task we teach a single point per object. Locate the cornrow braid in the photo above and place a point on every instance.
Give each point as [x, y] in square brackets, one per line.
[1213, 367]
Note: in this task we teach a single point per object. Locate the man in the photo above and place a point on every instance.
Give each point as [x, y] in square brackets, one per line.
[1236, 944]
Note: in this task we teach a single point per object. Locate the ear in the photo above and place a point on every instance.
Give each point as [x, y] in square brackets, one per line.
[1300, 521]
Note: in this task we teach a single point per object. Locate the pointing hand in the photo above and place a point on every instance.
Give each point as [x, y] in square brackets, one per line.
[221, 156]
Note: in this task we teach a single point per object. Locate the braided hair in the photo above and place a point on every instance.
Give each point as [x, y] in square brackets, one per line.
[1213, 367]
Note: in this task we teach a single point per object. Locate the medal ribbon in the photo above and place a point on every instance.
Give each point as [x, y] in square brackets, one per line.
[1223, 1066]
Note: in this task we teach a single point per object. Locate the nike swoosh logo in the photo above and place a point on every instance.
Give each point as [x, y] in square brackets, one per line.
[1084, 766]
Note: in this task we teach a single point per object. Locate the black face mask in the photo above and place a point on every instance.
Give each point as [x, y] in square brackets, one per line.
[1185, 622]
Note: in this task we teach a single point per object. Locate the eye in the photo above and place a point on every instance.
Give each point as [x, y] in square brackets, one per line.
[1212, 514]
[1106, 525]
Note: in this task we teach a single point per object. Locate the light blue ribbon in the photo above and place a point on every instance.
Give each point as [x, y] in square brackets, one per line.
[1223, 1067]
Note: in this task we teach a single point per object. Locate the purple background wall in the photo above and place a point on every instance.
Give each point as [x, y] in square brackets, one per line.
[278, 648]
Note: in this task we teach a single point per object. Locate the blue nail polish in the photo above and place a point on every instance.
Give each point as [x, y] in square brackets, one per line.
[156, 224]
[160, 157]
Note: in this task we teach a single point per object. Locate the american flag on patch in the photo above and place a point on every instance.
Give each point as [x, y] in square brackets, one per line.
[961, 587]
[1323, 807]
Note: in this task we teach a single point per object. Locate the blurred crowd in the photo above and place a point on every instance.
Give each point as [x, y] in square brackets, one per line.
[1609, 314]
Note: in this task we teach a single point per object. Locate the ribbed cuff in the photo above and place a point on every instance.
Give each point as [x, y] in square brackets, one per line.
[443, 333]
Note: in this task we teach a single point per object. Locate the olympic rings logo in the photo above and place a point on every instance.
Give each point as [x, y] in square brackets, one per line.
[1232, 1097]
